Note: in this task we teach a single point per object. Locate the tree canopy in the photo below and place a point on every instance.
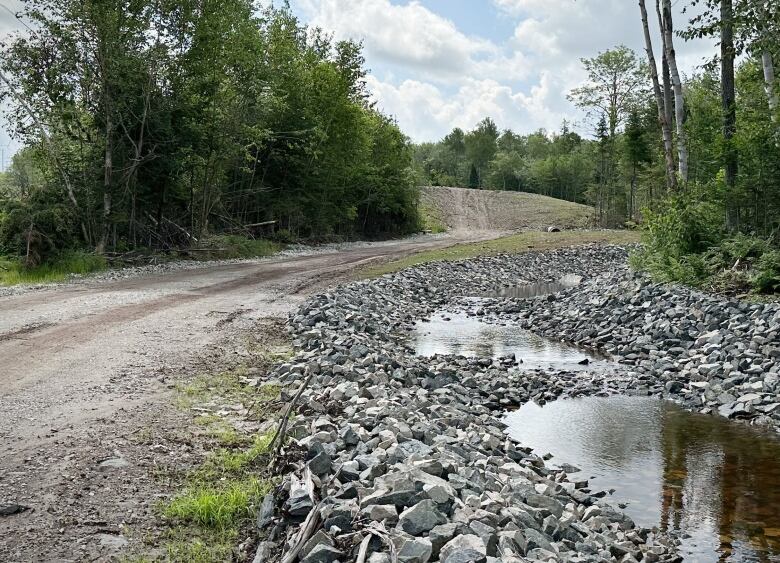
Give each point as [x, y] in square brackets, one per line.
[156, 123]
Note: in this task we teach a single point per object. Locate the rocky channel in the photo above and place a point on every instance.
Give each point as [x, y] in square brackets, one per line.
[395, 457]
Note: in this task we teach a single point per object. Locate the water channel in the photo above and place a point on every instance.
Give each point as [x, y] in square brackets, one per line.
[715, 482]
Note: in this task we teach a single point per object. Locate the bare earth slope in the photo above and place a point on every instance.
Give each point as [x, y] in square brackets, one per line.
[462, 209]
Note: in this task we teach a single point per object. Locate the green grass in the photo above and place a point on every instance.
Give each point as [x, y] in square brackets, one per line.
[431, 220]
[513, 244]
[221, 506]
[230, 461]
[13, 272]
[203, 548]
[218, 504]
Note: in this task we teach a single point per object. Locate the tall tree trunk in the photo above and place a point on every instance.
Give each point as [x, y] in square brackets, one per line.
[679, 102]
[108, 174]
[769, 83]
[666, 129]
[728, 99]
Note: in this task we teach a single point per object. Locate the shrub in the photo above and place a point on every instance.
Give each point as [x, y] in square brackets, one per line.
[13, 270]
[235, 246]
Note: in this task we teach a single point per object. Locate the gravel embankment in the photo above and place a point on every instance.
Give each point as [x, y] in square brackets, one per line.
[709, 353]
[400, 458]
[463, 209]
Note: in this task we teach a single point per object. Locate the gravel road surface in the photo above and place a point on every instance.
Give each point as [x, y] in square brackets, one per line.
[87, 367]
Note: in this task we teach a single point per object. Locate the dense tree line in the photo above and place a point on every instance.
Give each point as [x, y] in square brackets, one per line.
[660, 140]
[154, 123]
[552, 164]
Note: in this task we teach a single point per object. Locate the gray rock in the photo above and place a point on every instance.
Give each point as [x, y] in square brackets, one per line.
[323, 553]
[441, 534]
[420, 518]
[412, 550]
[320, 464]
[464, 549]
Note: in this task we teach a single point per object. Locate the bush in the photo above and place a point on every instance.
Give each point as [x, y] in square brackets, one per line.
[223, 247]
[766, 278]
[683, 225]
[14, 272]
[684, 243]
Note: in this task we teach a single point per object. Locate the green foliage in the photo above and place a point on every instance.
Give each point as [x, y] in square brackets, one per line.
[557, 165]
[430, 220]
[617, 82]
[169, 122]
[220, 506]
[13, 271]
[236, 246]
[684, 242]
[682, 225]
[766, 276]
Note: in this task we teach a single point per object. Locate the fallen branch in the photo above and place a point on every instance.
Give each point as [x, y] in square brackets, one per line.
[262, 224]
[182, 229]
[363, 551]
[278, 440]
[308, 528]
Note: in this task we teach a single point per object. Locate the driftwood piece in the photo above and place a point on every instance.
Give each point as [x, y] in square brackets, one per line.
[363, 551]
[278, 440]
[308, 528]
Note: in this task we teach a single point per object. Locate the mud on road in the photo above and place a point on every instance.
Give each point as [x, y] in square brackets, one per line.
[87, 385]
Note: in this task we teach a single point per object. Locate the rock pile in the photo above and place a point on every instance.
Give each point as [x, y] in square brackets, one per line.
[707, 352]
[401, 458]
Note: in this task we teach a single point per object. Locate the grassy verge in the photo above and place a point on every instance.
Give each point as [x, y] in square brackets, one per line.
[212, 509]
[215, 506]
[513, 244]
[13, 271]
[59, 269]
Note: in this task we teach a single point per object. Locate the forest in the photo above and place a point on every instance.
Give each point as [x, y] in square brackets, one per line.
[158, 124]
[161, 125]
[694, 160]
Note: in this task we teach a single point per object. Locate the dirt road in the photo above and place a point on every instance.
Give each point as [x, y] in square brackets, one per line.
[86, 369]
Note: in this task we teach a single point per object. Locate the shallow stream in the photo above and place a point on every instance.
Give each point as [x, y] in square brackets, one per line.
[461, 334]
[715, 482]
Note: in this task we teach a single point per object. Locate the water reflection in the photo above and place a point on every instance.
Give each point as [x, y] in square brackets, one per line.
[528, 290]
[716, 482]
[458, 333]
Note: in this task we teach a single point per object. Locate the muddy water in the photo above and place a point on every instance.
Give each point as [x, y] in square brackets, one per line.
[451, 333]
[714, 481]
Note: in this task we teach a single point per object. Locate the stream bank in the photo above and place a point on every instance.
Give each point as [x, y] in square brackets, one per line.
[401, 457]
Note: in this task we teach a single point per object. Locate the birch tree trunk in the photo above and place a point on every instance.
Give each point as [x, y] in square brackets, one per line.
[679, 101]
[108, 166]
[666, 130]
[769, 83]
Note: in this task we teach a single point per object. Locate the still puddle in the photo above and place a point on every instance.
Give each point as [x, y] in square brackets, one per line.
[714, 481]
[468, 336]
[528, 290]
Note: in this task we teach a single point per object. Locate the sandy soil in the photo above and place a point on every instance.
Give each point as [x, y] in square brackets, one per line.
[86, 388]
[462, 209]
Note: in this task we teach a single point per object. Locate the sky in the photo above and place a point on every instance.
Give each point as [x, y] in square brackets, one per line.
[440, 64]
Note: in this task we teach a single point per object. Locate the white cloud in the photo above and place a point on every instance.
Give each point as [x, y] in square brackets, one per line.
[425, 112]
[414, 37]
[8, 24]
